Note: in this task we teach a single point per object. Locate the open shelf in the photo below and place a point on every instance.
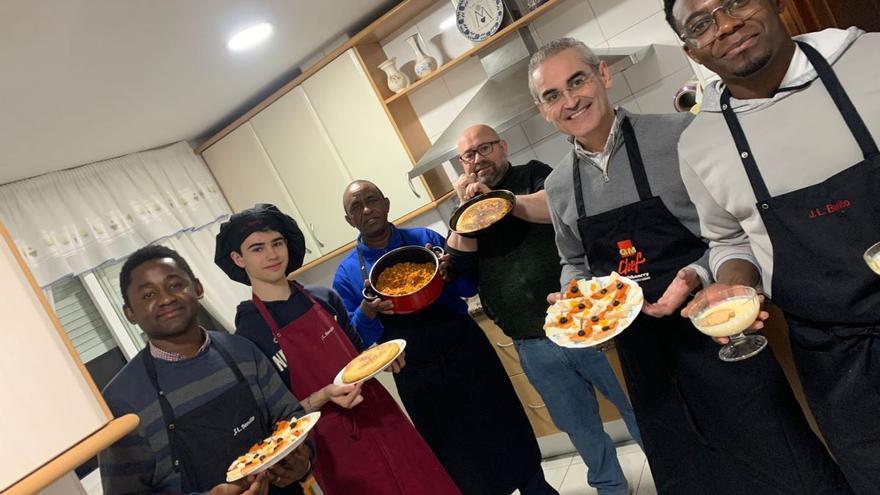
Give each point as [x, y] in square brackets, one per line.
[476, 49]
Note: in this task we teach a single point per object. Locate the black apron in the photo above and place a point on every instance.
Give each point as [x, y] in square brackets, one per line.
[460, 399]
[707, 426]
[830, 297]
[206, 440]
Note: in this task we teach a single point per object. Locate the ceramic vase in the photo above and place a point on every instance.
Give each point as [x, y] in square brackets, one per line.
[397, 81]
[424, 64]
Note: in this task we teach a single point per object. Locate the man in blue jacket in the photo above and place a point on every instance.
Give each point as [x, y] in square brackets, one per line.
[453, 386]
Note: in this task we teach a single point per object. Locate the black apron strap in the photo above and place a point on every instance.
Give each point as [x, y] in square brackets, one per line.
[229, 361]
[361, 262]
[635, 160]
[167, 410]
[762, 194]
[636, 165]
[841, 100]
[578, 189]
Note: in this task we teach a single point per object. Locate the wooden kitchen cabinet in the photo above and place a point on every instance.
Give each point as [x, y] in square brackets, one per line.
[301, 152]
[309, 167]
[374, 134]
[532, 403]
[803, 16]
[362, 135]
[246, 176]
[536, 410]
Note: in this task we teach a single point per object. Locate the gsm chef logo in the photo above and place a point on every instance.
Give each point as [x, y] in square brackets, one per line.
[829, 208]
[631, 259]
[626, 248]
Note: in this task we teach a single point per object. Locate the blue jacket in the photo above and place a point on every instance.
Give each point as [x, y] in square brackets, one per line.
[348, 281]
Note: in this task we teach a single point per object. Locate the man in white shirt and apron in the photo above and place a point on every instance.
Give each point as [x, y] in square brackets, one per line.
[782, 162]
[736, 426]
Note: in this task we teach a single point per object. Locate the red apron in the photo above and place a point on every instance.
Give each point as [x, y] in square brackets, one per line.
[372, 448]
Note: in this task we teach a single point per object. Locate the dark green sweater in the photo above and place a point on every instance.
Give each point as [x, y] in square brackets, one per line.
[517, 262]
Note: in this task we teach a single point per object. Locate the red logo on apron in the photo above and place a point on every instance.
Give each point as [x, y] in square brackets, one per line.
[626, 248]
[631, 258]
[830, 208]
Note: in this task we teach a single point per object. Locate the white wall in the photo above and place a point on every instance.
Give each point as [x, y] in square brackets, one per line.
[68, 484]
[646, 87]
[322, 274]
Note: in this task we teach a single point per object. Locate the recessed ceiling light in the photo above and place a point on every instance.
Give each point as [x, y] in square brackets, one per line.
[250, 37]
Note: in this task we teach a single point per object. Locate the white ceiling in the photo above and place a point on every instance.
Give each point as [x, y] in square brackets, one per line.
[86, 80]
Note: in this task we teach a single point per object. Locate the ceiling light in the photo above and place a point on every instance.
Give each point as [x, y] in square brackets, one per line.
[250, 37]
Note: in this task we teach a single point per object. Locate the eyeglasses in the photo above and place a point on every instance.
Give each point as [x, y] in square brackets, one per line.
[575, 85]
[701, 30]
[484, 149]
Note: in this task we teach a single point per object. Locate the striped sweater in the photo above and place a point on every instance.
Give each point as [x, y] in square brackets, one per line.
[140, 462]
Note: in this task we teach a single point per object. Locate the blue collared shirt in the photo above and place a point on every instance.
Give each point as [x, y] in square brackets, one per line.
[348, 281]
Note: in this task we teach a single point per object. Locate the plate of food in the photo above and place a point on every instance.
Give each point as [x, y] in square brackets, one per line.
[481, 212]
[286, 436]
[370, 362]
[593, 311]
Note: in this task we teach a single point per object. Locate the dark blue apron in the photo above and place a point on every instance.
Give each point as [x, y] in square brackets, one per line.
[205, 440]
[830, 297]
[708, 427]
[452, 372]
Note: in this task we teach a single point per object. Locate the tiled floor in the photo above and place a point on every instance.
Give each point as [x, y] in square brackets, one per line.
[568, 474]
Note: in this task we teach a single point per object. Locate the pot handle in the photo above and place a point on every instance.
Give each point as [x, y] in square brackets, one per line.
[438, 251]
[370, 293]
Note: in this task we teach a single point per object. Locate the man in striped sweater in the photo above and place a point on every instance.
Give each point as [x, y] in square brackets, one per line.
[202, 397]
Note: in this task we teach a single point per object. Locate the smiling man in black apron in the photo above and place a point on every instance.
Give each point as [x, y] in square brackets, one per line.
[453, 386]
[203, 398]
[618, 204]
[783, 162]
[516, 264]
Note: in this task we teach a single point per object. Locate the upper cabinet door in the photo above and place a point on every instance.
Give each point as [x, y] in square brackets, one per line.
[361, 132]
[246, 176]
[308, 165]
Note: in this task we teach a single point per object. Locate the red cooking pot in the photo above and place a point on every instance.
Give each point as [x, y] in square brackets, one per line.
[419, 299]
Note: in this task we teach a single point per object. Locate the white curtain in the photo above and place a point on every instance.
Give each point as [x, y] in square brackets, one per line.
[70, 222]
[222, 295]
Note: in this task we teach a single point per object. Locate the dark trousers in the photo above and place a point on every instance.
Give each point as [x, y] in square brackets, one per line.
[711, 427]
[839, 367]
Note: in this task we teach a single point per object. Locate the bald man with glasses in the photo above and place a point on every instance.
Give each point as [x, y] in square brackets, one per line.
[516, 265]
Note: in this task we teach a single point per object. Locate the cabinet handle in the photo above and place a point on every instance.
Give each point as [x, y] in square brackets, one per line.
[536, 406]
[312, 229]
[308, 251]
[411, 186]
[499, 344]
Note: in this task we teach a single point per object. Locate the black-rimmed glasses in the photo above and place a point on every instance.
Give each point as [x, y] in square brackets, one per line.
[701, 30]
[483, 149]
